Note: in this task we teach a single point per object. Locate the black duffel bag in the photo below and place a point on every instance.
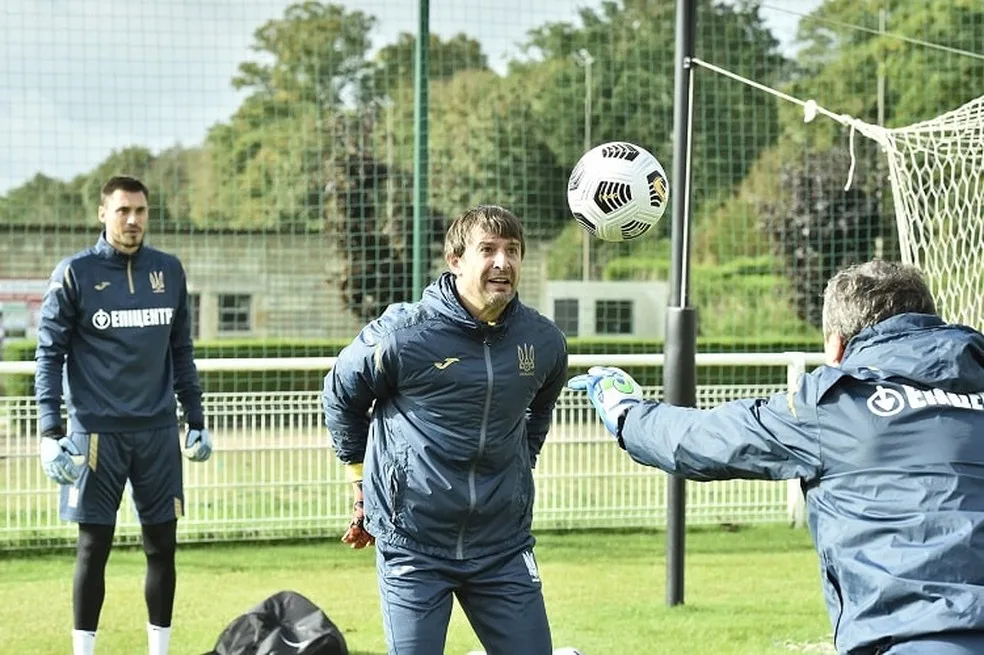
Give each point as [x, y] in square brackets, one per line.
[286, 623]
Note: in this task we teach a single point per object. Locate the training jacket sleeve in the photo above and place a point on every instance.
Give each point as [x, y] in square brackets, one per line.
[540, 411]
[364, 372]
[186, 383]
[772, 439]
[57, 320]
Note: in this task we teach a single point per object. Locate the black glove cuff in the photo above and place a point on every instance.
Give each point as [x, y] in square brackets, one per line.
[196, 426]
[618, 431]
[56, 432]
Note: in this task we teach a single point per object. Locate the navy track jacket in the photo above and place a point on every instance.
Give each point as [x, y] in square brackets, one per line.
[461, 411]
[890, 450]
[119, 327]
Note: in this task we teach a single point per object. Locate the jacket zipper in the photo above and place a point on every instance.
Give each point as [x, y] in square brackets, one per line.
[129, 273]
[482, 434]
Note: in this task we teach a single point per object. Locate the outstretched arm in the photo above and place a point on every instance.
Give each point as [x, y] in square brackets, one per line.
[774, 439]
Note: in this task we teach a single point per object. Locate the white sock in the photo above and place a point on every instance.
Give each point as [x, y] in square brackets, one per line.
[158, 639]
[83, 642]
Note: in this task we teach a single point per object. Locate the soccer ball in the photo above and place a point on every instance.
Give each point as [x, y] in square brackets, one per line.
[617, 191]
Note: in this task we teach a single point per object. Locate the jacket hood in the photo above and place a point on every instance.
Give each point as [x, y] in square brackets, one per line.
[442, 296]
[921, 348]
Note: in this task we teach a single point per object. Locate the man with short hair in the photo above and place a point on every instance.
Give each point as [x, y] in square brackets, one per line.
[888, 440]
[115, 328]
[446, 403]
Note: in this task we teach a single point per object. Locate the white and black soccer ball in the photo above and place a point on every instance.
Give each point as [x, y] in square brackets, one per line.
[618, 191]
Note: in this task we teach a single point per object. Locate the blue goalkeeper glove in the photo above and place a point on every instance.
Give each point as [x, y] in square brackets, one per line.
[612, 392]
[61, 458]
[197, 444]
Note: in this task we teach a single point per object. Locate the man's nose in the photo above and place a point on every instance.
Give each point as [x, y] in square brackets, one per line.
[499, 261]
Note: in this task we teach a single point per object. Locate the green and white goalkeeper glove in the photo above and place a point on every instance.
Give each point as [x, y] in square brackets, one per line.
[612, 392]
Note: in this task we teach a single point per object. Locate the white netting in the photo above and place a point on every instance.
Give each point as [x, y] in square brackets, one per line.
[936, 171]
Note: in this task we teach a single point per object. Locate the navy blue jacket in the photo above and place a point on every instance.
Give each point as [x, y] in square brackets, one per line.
[461, 411]
[890, 449]
[119, 327]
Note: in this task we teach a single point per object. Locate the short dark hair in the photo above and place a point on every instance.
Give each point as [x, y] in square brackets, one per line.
[124, 183]
[862, 295]
[492, 218]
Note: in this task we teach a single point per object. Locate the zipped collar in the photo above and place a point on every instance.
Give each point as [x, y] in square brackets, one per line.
[104, 249]
[443, 296]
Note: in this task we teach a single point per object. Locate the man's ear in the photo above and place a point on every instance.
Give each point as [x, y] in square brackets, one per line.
[454, 264]
[833, 349]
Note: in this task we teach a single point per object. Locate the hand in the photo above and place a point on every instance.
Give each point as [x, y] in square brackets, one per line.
[356, 535]
[197, 444]
[612, 392]
[61, 459]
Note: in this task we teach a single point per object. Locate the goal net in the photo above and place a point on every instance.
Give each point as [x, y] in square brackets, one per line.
[936, 169]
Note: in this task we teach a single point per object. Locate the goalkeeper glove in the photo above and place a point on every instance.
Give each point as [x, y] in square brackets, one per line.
[197, 444]
[61, 459]
[612, 392]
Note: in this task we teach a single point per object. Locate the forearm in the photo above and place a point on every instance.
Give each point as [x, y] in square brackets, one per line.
[187, 385]
[48, 392]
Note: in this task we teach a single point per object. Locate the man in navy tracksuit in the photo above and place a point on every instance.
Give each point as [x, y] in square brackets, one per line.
[888, 440]
[115, 336]
[461, 388]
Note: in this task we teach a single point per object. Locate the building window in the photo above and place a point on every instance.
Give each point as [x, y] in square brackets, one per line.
[565, 315]
[613, 317]
[194, 311]
[235, 313]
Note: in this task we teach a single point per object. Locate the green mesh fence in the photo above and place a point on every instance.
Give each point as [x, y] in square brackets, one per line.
[278, 142]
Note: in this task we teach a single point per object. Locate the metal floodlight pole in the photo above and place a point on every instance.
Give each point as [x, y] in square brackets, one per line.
[680, 366]
[584, 58]
[420, 108]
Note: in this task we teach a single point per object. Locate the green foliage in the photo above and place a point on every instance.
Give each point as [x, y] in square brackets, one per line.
[394, 70]
[742, 295]
[845, 62]
[632, 84]
[818, 227]
[45, 201]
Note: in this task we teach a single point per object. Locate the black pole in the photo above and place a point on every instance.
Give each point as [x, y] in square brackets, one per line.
[680, 368]
[421, 104]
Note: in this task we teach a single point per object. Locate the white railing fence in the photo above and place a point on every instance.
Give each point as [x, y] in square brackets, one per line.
[273, 474]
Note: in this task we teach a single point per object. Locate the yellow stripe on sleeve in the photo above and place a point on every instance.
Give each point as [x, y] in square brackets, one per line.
[353, 472]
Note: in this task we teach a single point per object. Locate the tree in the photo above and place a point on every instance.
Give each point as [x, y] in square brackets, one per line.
[45, 201]
[393, 66]
[631, 46]
[817, 227]
[369, 221]
[921, 81]
[264, 169]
